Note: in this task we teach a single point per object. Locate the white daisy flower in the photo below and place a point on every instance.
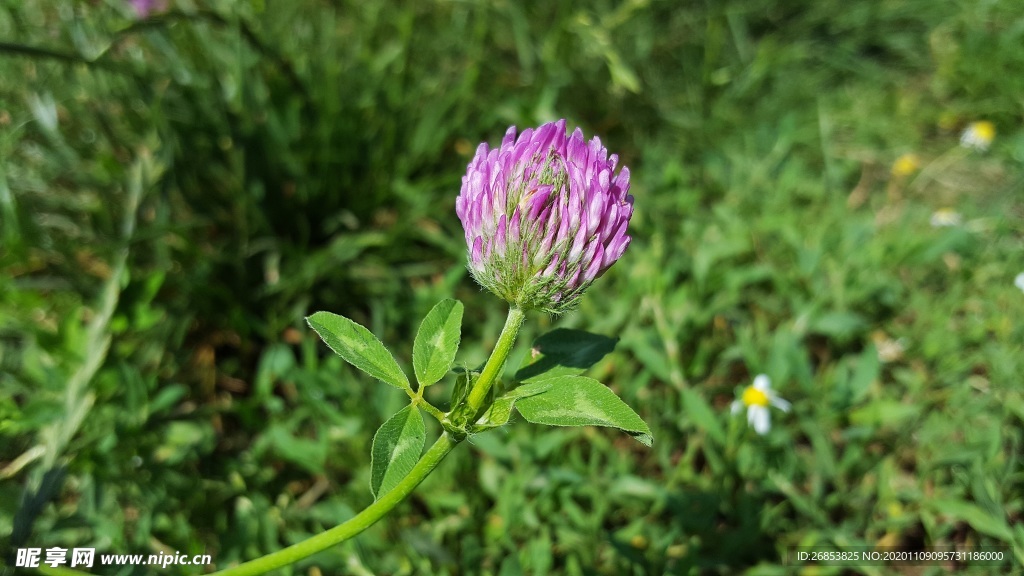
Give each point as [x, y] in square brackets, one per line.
[1019, 281]
[888, 349]
[978, 135]
[945, 217]
[756, 399]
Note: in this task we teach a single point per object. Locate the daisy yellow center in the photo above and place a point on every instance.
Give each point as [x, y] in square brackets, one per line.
[754, 397]
[985, 130]
[906, 165]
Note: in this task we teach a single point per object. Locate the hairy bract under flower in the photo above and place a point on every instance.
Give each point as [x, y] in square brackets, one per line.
[545, 214]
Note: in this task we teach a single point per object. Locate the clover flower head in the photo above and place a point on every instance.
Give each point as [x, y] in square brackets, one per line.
[906, 165]
[1019, 281]
[978, 135]
[945, 217]
[545, 214]
[757, 398]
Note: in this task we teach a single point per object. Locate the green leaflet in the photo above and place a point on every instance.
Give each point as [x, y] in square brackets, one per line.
[501, 410]
[396, 447]
[437, 341]
[582, 401]
[358, 347]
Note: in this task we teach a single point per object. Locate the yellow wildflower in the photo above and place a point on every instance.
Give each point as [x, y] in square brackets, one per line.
[906, 165]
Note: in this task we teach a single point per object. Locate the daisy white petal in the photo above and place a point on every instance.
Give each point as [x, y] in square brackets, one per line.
[761, 419]
[780, 403]
[752, 414]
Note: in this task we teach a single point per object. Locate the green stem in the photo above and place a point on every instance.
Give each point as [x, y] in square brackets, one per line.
[357, 524]
[434, 411]
[495, 364]
[336, 535]
[396, 495]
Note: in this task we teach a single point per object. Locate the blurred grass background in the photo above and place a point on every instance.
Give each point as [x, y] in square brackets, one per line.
[177, 192]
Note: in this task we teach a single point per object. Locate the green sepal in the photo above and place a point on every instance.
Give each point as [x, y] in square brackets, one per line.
[464, 379]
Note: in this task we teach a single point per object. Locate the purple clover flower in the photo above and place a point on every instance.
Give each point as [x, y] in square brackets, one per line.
[544, 215]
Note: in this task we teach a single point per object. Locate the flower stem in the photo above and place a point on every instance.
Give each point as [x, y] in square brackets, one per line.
[495, 364]
[377, 510]
[336, 535]
[354, 526]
